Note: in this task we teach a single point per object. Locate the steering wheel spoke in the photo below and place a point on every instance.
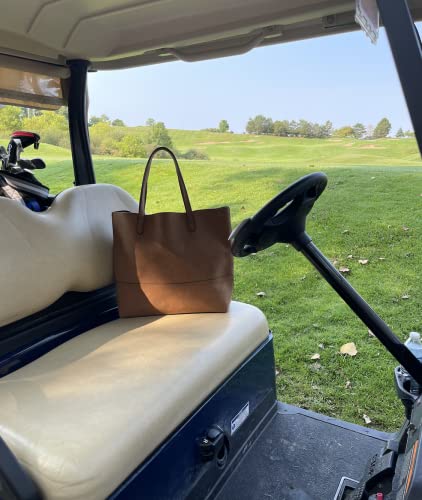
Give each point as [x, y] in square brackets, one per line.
[281, 220]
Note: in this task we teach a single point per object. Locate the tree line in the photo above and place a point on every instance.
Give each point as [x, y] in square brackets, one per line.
[113, 137]
[109, 137]
[106, 136]
[222, 128]
[263, 125]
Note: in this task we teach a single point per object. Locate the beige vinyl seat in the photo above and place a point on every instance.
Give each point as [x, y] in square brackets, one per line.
[82, 417]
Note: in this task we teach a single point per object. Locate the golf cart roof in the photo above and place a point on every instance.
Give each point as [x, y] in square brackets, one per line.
[115, 34]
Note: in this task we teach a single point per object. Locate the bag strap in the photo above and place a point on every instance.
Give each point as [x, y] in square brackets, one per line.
[143, 196]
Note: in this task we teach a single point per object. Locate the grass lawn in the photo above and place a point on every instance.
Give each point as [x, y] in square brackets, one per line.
[371, 210]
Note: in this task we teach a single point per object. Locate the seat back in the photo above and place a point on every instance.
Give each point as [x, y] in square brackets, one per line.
[66, 248]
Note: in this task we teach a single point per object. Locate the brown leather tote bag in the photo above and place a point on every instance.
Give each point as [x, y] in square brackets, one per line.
[172, 263]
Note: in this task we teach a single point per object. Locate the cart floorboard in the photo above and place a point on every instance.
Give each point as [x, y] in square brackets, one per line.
[302, 455]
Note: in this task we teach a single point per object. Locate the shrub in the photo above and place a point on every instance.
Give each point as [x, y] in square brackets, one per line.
[10, 119]
[52, 127]
[194, 154]
[104, 138]
[56, 136]
[346, 131]
[161, 154]
[158, 134]
[118, 123]
[131, 146]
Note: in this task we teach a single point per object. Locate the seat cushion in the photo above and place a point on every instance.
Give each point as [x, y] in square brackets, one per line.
[84, 416]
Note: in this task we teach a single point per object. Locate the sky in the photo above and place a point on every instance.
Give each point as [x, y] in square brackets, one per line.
[342, 78]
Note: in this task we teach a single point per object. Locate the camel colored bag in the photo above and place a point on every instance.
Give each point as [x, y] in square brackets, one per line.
[172, 263]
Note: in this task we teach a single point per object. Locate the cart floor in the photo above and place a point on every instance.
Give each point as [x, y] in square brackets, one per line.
[302, 455]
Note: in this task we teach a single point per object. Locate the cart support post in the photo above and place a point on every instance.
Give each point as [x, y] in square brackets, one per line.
[362, 309]
[78, 123]
[407, 53]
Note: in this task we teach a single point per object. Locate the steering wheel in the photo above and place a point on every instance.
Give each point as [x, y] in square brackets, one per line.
[281, 220]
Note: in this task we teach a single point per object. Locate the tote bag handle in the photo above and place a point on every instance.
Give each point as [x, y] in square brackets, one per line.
[143, 196]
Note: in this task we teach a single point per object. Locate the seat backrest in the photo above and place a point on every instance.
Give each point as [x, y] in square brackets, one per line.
[66, 248]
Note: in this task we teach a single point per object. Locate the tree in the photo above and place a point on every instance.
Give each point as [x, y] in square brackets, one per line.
[409, 133]
[346, 131]
[315, 131]
[369, 131]
[382, 129]
[63, 111]
[131, 146]
[281, 128]
[28, 112]
[400, 133]
[251, 126]
[51, 125]
[260, 125]
[150, 122]
[158, 135]
[48, 120]
[118, 123]
[98, 119]
[104, 138]
[293, 128]
[10, 119]
[305, 128]
[326, 129]
[359, 130]
[223, 126]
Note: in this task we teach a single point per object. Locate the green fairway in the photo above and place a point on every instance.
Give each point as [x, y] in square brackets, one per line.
[371, 210]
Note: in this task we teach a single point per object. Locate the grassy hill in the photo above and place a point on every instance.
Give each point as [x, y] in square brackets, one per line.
[371, 210]
[317, 152]
[268, 148]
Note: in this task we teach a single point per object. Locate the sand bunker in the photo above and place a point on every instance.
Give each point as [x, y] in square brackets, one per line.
[371, 146]
[213, 142]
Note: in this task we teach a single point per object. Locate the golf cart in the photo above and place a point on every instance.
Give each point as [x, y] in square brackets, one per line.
[94, 406]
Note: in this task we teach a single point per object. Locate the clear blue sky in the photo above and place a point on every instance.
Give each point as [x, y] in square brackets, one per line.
[342, 78]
